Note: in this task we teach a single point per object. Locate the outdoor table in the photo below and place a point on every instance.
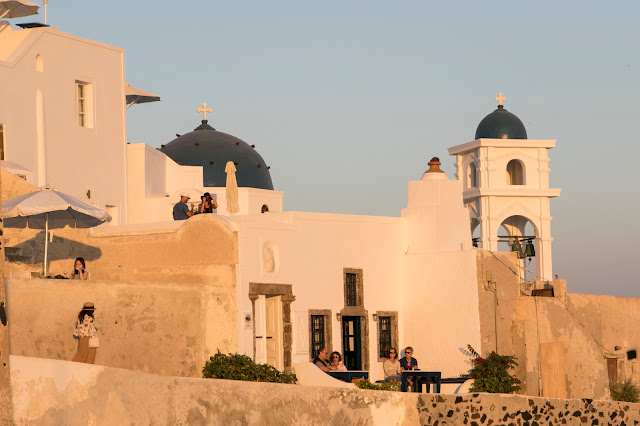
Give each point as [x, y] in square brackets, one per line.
[348, 376]
[419, 376]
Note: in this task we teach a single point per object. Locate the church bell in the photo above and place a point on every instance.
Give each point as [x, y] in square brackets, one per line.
[529, 249]
[516, 247]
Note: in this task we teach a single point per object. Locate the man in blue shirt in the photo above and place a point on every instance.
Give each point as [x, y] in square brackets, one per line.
[408, 363]
[181, 210]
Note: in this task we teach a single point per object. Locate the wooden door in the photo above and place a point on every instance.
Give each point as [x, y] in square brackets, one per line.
[273, 331]
[612, 369]
[351, 343]
[260, 327]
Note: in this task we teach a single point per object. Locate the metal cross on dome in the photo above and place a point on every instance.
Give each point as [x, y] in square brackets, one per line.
[500, 98]
[204, 110]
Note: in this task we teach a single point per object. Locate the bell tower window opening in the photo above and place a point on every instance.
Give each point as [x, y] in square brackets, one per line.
[471, 176]
[515, 175]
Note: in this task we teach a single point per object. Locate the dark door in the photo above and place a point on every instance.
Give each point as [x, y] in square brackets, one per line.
[612, 369]
[351, 343]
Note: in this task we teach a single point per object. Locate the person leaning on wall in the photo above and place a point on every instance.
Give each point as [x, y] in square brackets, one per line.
[79, 270]
[321, 361]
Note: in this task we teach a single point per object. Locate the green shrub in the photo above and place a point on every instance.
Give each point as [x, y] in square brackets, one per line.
[241, 367]
[393, 386]
[625, 391]
[491, 374]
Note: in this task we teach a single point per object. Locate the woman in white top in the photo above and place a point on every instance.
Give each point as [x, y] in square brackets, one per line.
[391, 367]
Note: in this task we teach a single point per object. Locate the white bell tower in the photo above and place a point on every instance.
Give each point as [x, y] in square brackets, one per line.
[505, 180]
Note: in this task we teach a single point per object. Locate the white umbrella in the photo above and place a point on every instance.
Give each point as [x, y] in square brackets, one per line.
[232, 188]
[48, 208]
[138, 96]
[17, 8]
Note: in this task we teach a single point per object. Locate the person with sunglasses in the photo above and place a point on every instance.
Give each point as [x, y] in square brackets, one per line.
[391, 367]
[321, 361]
[408, 363]
[336, 362]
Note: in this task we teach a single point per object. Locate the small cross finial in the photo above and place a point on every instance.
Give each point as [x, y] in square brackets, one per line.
[204, 110]
[500, 98]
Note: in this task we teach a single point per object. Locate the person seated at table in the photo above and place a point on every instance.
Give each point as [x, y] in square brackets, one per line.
[391, 367]
[336, 362]
[408, 363]
[79, 272]
[321, 360]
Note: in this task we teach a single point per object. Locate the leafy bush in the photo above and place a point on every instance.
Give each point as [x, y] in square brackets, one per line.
[393, 386]
[625, 391]
[491, 374]
[241, 367]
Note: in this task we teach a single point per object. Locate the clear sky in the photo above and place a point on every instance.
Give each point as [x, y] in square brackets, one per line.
[347, 101]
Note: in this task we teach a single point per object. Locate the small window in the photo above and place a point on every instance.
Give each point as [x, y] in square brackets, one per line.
[387, 333]
[515, 174]
[471, 176]
[39, 65]
[353, 287]
[350, 284]
[1, 141]
[317, 334]
[264, 209]
[384, 330]
[84, 93]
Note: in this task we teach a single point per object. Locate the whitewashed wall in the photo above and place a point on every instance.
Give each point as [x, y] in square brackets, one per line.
[39, 111]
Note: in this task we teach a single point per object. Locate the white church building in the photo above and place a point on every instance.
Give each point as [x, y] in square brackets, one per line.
[355, 284]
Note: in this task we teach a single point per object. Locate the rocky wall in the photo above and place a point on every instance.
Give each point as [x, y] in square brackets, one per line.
[61, 392]
[163, 328]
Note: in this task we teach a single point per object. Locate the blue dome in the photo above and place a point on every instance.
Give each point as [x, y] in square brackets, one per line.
[207, 147]
[501, 124]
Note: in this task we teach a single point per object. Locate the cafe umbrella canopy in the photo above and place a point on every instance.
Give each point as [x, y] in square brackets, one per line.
[49, 208]
[17, 8]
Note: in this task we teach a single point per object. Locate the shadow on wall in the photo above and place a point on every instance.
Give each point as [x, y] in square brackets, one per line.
[31, 251]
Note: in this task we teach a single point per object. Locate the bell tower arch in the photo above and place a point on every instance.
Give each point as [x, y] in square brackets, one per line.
[511, 184]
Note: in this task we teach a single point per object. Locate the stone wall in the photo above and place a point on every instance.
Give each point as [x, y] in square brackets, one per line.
[168, 329]
[203, 249]
[563, 343]
[61, 392]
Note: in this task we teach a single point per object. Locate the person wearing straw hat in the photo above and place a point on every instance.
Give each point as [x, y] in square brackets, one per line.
[86, 334]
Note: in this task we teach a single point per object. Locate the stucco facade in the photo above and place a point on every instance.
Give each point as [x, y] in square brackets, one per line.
[40, 73]
[506, 184]
[417, 270]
